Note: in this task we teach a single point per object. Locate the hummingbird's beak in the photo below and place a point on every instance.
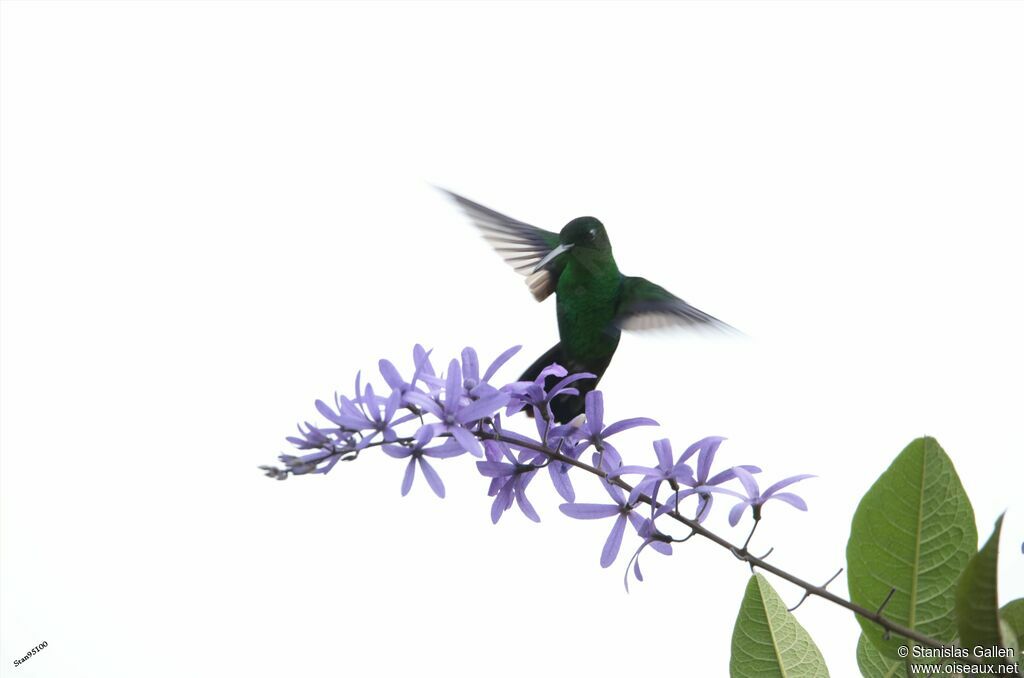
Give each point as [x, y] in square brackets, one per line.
[553, 254]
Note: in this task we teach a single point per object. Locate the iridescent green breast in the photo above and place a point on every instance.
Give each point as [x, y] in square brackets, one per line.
[587, 296]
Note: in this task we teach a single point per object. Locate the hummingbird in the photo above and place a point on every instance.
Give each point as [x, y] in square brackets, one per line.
[594, 301]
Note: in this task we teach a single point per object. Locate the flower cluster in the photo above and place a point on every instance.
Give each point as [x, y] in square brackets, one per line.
[436, 417]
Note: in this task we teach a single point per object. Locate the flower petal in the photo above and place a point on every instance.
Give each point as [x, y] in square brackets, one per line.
[749, 484]
[626, 424]
[453, 386]
[329, 465]
[641, 470]
[484, 407]
[510, 495]
[690, 451]
[421, 360]
[495, 469]
[501, 501]
[636, 564]
[423, 435]
[371, 401]
[682, 473]
[499, 361]
[791, 499]
[737, 512]
[495, 485]
[340, 419]
[663, 450]
[721, 490]
[410, 472]
[709, 446]
[730, 473]
[594, 407]
[482, 390]
[390, 374]
[554, 369]
[785, 483]
[404, 418]
[640, 488]
[393, 402]
[589, 511]
[662, 548]
[447, 449]
[615, 492]
[470, 365]
[396, 451]
[654, 492]
[560, 386]
[525, 506]
[424, 402]
[704, 506]
[560, 479]
[433, 479]
[467, 440]
[610, 459]
[525, 479]
[614, 541]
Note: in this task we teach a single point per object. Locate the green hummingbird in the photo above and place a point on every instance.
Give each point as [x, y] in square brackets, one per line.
[594, 301]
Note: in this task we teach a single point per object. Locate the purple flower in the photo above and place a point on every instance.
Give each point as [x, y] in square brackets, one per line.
[310, 463]
[474, 386]
[653, 538]
[422, 371]
[368, 413]
[701, 485]
[464, 407]
[558, 470]
[622, 508]
[653, 477]
[416, 453]
[532, 394]
[304, 464]
[594, 432]
[755, 499]
[509, 478]
[558, 439]
[331, 449]
[457, 419]
[317, 438]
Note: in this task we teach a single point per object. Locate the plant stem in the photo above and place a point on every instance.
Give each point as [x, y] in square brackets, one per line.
[742, 553]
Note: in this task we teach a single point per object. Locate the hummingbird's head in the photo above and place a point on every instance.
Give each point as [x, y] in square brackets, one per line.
[586, 232]
[587, 239]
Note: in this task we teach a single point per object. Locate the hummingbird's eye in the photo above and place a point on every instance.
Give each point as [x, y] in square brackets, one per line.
[592, 234]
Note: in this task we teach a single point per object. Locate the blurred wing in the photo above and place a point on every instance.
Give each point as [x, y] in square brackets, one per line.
[645, 306]
[519, 244]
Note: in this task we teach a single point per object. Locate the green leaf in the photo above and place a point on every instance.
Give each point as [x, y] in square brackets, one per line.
[1009, 640]
[875, 665]
[913, 532]
[1013, 614]
[768, 641]
[977, 612]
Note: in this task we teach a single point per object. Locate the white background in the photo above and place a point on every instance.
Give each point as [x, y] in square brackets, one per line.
[214, 213]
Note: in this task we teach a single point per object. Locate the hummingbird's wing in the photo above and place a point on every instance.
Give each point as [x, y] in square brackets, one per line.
[520, 244]
[644, 306]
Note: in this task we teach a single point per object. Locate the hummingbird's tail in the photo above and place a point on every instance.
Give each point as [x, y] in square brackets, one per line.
[564, 407]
